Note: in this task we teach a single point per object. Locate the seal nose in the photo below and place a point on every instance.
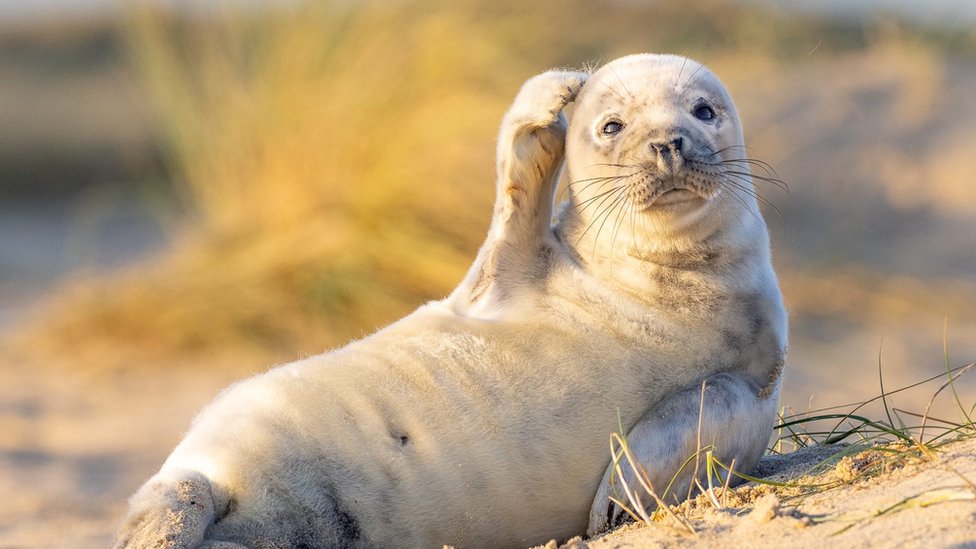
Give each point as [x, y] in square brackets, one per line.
[669, 154]
[673, 146]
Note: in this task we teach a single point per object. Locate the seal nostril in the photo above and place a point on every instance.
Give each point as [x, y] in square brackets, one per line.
[675, 145]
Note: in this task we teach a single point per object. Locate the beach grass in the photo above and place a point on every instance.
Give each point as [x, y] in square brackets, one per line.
[859, 449]
[335, 160]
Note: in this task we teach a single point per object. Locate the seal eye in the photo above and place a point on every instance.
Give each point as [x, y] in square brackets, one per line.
[611, 128]
[704, 112]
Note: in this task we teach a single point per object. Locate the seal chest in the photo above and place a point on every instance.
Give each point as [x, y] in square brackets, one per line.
[482, 420]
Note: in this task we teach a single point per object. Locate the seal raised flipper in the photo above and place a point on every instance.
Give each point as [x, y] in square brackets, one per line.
[531, 148]
[737, 416]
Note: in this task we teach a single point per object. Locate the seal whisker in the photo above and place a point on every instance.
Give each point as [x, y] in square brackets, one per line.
[615, 92]
[598, 183]
[614, 197]
[738, 198]
[677, 79]
[585, 204]
[590, 182]
[742, 187]
[598, 179]
[633, 219]
[607, 196]
[637, 161]
[766, 166]
[778, 183]
[612, 165]
[626, 89]
[599, 200]
[741, 181]
[761, 164]
[723, 149]
[738, 164]
[692, 77]
[621, 215]
[775, 181]
[614, 207]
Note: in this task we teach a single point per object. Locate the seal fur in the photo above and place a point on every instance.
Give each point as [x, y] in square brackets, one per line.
[482, 420]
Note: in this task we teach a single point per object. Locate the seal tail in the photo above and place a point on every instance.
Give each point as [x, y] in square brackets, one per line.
[171, 511]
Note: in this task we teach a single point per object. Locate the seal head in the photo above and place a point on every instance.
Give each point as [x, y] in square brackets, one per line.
[655, 146]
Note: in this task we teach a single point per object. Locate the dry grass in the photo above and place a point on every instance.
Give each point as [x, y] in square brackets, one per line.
[310, 151]
[336, 159]
[878, 447]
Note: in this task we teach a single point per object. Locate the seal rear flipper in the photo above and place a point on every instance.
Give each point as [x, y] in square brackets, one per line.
[171, 511]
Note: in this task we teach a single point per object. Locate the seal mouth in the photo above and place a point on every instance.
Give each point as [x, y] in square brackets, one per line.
[645, 188]
[674, 196]
[681, 190]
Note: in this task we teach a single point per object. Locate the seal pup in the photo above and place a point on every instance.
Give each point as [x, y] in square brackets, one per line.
[663, 205]
[482, 420]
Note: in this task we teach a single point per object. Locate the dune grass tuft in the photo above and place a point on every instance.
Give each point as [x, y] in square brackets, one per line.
[863, 449]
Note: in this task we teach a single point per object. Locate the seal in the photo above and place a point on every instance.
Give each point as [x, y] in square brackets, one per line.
[483, 420]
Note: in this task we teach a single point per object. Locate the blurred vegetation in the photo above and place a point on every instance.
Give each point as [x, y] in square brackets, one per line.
[68, 118]
[336, 158]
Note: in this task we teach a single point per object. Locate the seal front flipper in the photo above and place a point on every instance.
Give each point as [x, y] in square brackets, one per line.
[531, 148]
[737, 421]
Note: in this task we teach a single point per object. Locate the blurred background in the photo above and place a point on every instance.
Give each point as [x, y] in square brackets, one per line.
[193, 191]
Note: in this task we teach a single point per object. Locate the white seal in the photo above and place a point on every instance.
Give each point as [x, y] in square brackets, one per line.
[484, 419]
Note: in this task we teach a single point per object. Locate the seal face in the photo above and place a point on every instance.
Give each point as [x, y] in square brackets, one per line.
[657, 135]
[482, 420]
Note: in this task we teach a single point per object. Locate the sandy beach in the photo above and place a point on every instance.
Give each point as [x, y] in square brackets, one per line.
[73, 447]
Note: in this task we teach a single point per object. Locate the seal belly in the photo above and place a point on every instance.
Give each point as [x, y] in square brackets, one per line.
[477, 435]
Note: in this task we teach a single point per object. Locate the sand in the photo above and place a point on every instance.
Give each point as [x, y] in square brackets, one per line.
[74, 446]
[929, 503]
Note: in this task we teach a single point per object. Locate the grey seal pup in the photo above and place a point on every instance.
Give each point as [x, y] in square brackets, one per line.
[484, 419]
